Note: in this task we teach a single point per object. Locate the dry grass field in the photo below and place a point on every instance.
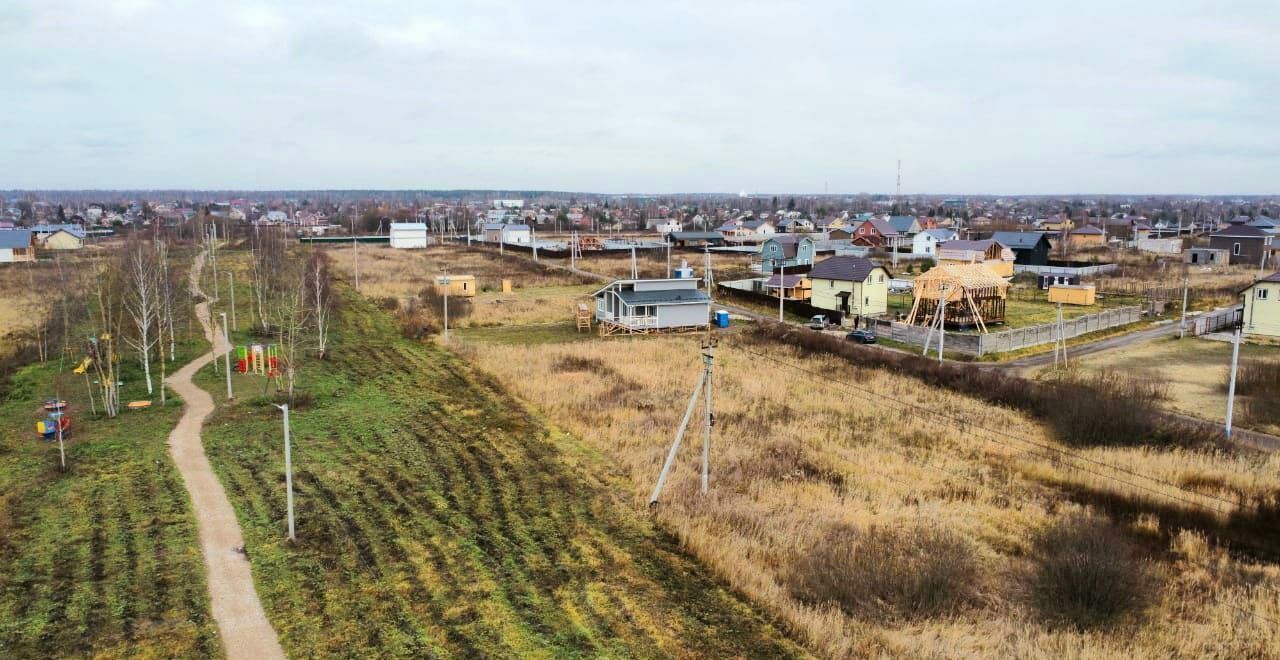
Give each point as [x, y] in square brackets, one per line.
[877, 516]
[724, 266]
[539, 294]
[19, 300]
[1193, 369]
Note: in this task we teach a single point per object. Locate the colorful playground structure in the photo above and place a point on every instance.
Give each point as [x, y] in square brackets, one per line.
[261, 359]
[56, 420]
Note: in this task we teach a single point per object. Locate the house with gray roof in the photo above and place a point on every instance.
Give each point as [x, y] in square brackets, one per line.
[645, 306]
[17, 245]
[1030, 248]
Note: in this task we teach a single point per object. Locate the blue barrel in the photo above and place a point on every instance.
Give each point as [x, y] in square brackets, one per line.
[722, 318]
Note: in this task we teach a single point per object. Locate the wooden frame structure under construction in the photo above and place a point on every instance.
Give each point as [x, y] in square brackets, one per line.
[974, 296]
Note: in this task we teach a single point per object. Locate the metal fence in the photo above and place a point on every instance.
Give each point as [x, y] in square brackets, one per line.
[1011, 340]
[1218, 319]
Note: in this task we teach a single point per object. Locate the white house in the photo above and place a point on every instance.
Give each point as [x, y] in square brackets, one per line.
[516, 235]
[669, 225]
[408, 235]
[926, 242]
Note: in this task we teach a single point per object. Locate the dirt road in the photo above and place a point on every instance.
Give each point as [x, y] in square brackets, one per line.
[242, 624]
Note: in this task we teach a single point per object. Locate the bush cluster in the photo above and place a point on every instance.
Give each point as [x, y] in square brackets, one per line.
[889, 573]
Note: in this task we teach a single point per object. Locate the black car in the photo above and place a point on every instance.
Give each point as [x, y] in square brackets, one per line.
[862, 336]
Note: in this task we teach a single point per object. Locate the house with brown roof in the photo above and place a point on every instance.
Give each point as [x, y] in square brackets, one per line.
[1248, 245]
[852, 286]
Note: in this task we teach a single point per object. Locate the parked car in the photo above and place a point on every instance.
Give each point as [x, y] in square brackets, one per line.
[819, 322]
[861, 336]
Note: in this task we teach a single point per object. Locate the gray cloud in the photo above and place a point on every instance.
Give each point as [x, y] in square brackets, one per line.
[660, 95]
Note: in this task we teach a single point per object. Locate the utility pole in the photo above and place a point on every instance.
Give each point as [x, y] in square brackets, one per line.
[1231, 385]
[288, 469]
[635, 273]
[226, 355]
[1182, 325]
[708, 360]
[782, 283]
[445, 282]
[231, 277]
[1060, 339]
[942, 324]
[668, 256]
[533, 241]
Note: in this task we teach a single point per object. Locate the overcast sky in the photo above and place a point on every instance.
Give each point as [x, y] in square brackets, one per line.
[643, 95]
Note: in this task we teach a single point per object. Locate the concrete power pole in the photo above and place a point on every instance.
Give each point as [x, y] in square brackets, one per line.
[226, 355]
[1231, 384]
[288, 469]
[1182, 325]
[704, 381]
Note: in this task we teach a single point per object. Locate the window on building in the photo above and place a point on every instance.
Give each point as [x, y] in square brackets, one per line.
[1262, 294]
[1235, 249]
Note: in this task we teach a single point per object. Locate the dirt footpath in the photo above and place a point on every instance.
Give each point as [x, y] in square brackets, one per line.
[242, 623]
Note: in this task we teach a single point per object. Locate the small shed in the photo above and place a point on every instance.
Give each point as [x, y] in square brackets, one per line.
[1073, 294]
[1200, 256]
[794, 287]
[408, 235]
[463, 286]
[970, 295]
[17, 245]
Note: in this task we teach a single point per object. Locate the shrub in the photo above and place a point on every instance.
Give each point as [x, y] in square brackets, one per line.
[1260, 382]
[1087, 575]
[888, 573]
[433, 301]
[1103, 408]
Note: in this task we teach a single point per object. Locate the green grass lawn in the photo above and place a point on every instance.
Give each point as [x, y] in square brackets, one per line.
[100, 560]
[437, 517]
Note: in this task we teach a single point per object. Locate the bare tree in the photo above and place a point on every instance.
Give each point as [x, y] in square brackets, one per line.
[142, 282]
[267, 261]
[107, 322]
[166, 299]
[292, 311]
[321, 299]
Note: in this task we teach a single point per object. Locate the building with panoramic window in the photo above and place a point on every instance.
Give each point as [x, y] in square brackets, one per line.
[1262, 307]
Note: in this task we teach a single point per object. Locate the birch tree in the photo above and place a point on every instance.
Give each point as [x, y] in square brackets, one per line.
[292, 311]
[321, 299]
[142, 281]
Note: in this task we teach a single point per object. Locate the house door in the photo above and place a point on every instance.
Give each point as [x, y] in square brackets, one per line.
[844, 301]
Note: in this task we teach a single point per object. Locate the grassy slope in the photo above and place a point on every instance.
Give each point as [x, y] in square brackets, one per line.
[102, 560]
[436, 516]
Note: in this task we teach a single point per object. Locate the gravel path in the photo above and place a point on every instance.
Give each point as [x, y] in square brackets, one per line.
[242, 623]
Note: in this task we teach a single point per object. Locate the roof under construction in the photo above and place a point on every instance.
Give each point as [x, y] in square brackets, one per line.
[965, 294]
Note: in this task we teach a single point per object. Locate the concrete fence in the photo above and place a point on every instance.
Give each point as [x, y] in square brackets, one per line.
[1010, 340]
[1081, 271]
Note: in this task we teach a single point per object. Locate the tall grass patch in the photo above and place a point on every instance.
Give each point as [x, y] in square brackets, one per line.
[915, 571]
[1088, 574]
